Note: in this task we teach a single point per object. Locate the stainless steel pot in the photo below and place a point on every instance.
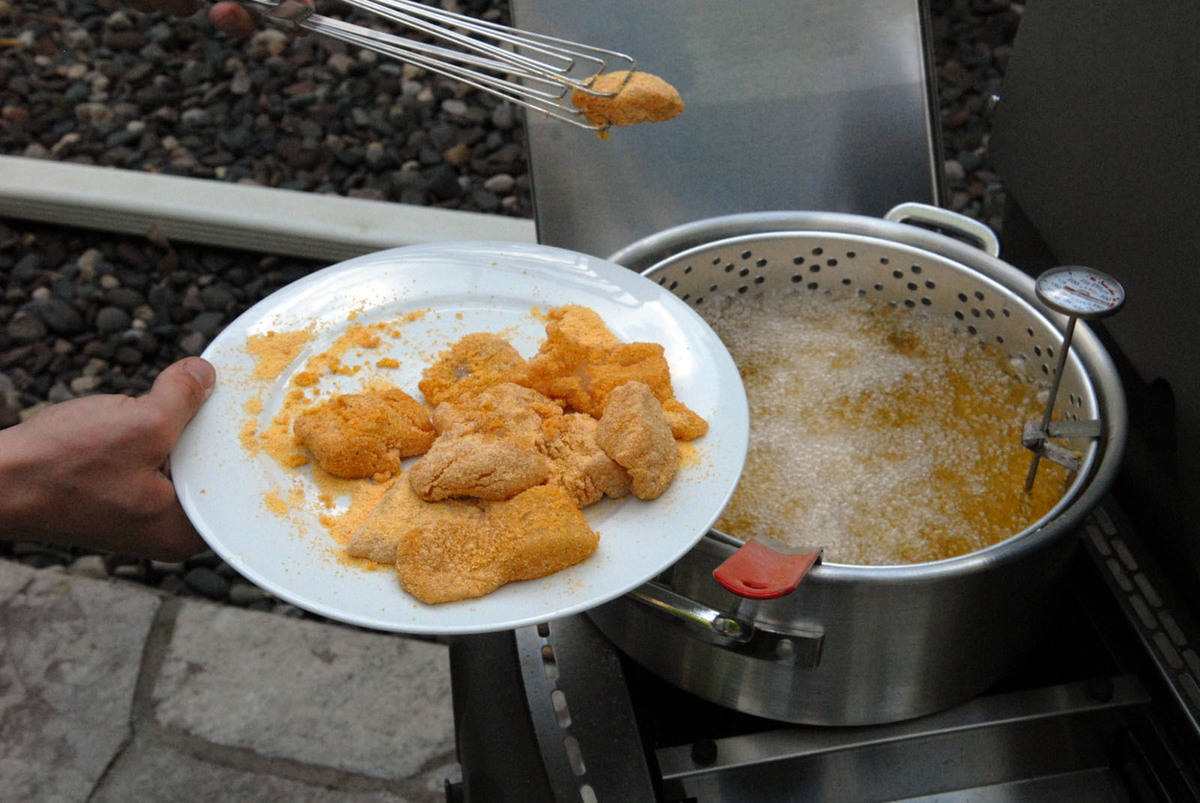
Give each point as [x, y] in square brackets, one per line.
[851, 644]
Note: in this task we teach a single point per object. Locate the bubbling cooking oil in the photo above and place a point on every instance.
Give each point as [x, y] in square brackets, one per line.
[884, 435]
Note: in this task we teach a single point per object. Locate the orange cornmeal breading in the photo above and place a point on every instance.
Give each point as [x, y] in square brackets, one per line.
[274, 351]
[534, 534]
[577, 463]
[545, 530]
[397, 512]
[635, 433]
[474, 363]
[512, 452]
[581, 362]
[644, 98]
[686, 425]
[489, 446]
[358, 435]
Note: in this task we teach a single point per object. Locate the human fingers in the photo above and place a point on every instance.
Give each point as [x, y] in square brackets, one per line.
[232, 19]
[179, 390]
[165, 533]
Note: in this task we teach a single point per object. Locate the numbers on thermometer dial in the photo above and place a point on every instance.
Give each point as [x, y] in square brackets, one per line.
[1080, 292]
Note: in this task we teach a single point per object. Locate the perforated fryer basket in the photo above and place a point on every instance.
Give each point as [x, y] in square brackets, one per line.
[907, 266]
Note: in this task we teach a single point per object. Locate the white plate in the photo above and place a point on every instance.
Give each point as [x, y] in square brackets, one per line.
[465, 287]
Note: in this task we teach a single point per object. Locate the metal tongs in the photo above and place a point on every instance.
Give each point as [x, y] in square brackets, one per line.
[532, 70]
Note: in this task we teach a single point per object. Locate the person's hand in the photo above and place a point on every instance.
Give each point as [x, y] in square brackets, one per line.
[92, 471]
[231, 17]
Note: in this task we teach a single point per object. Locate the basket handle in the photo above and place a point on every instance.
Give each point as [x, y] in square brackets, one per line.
[950, 222]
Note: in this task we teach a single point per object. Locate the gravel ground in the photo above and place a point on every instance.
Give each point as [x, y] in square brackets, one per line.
[972, 40]
[93, 82]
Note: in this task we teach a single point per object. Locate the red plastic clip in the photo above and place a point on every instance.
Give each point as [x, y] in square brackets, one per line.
[762, 569]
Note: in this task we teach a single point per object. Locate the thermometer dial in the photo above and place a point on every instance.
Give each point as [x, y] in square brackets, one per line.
[1080, 292]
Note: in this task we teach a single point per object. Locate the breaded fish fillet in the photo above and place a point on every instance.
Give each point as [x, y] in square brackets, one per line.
[634, 432]
[359, 435]
[534, 534]
[686, 425]
[577, 463]
[399, 511]
[546, 532]
[581, 362]
[490, 446]
[644, 98]
[473, 364]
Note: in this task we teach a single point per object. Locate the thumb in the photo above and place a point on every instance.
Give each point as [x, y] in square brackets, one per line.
[181, 388]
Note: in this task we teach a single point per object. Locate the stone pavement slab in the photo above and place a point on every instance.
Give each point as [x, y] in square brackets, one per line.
[367, 703]
[70, 655]
[150, 771]
[109, 692]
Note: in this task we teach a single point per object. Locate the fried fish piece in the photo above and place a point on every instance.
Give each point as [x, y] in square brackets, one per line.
[534, 534]
[490, 446]
[634, 432]
[476, 362]
[644, 98]
[359, 435]
[577, 463]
